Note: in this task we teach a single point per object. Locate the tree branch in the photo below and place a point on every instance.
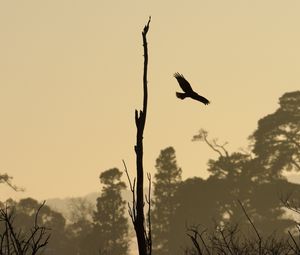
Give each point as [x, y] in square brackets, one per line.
[252, 224]
[202, 136]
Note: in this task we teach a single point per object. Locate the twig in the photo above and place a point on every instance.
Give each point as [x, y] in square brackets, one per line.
[202, 136]
[131, 210]
[294, 241]
[194, 239]
[225, 241]
[252, 224]
[148, 200]
[37, 214]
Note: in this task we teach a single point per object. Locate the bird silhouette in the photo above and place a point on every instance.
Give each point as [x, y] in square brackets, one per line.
[188, 91]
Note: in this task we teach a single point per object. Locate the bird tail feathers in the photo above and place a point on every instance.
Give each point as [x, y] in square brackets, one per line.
[181, 95]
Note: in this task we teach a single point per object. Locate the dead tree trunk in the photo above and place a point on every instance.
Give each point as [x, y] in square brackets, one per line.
[140, 119]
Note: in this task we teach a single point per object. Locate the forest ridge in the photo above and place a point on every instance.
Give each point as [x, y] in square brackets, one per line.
[181, 209]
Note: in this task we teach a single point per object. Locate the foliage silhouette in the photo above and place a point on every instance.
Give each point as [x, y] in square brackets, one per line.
[35, 222]
[20, 241]
[167, 179]
[25, 217]
[247, 176]
[111, 226]
[80, 228]
[276, 142]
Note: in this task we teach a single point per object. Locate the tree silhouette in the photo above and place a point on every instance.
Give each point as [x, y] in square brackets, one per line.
[50, 219]
[198, 202]
[80, 228]
[167, 179]
[111, 225]
[37, 228]
[16, 240]
[244, 178]
[276, 142]
[255, 178]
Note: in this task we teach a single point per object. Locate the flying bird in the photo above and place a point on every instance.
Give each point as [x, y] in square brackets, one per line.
[188, 91]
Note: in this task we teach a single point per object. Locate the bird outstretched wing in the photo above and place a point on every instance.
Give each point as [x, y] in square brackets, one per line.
[201, 99]
[188, 91]
[183, 83]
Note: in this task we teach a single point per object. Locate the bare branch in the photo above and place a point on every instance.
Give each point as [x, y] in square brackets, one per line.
[131, 210]
[202, 136]
[290, 203]
[225, 241]
[216, 145]
[252, 224]
[148, 200]
[16, 241]
[295, 243]
[127, 174]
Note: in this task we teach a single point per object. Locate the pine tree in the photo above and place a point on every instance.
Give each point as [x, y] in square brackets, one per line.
[111, 225]
[166, 182]
[276, 141]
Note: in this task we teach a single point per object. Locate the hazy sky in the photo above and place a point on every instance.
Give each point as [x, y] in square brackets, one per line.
[71, 78]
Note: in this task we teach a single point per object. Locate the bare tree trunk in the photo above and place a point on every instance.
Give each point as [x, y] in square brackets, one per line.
[140, 119]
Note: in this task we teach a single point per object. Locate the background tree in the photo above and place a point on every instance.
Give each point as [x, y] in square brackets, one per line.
[255, 178]
[198, 202]
[276, 142]
[17, 240]
[80, 228]
[167, 179]
[111, 226]
[244, 178]
[36, 221]
[52, 220]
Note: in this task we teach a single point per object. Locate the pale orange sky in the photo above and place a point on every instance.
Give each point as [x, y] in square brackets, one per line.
[71, 78]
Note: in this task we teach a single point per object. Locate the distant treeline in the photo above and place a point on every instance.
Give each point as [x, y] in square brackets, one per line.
[196, 211]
